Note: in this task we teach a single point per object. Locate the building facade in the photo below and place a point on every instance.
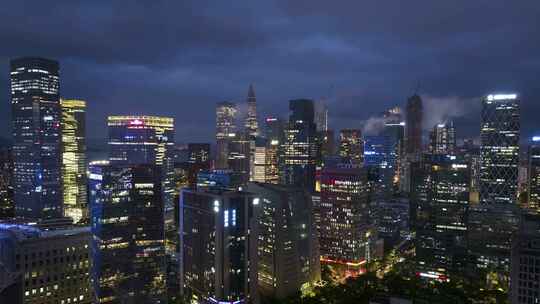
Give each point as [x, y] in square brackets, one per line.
[534, 175]
[442, 139]
[441, 187]
[351, 145]
[7, 205]
[344, 206]
[225, 131]
[300, 147]
[35, 101]
[499, 149]
[47, 265]
[74, 159]
[287, 248]
[525, 277]
[128, 233]
[218, 251]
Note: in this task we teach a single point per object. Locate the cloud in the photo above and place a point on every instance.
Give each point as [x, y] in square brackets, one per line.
[441, 109]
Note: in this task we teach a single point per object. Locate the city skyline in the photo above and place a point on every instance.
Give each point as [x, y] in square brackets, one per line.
[374, 68]
[270, 153]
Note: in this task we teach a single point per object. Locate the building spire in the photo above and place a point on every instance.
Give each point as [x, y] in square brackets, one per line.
[251, 124]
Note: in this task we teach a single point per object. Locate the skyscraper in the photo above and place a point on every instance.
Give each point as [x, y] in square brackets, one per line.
[300, 146]
[252, 124]
[218, 246]
[225, 131]
[274, 141]
[351, 145]
[379, 159]
[499, 149]
[534, 174]
[138, 139]
[74, 159]
[413, 125]
[344, 207]
[260, 162]
[7, 208]
[441, 186]
[525, 286]
[287, 246]
[442, 139]
[239, 156]
[321, 116]
[36, 134]
[128, 233]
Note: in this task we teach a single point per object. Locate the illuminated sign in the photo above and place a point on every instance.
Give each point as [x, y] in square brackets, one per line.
[501, 97]
[95, 176]
[536, 138]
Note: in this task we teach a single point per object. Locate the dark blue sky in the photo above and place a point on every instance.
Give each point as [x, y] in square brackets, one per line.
[179, 58]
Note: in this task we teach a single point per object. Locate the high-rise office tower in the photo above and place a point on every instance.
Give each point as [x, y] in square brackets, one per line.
[300, 146]
[351, 145]
[137, 139]
[413, 125]
[288, 250]
[534, 175]
[525, 280]
[7, 207]
[251, 124]
[344, 207]
[499, 149]
[74, 159]
[218, 246]
[321, 116]
[395, 131]
[36, 134]
[47, 265]
[260, 162]
[442, 139]
[239, 158]
[274, 132]
[128, 233]
[441, 186]
[380, 160]
[225, 131]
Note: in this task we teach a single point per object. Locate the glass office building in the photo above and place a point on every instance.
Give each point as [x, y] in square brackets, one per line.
[128, 233]
[35, 101]
[74, 159]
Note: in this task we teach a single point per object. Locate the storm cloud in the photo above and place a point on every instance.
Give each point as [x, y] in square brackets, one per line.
[179, 58]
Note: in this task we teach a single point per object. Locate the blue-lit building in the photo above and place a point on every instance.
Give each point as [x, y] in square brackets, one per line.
[36, 113]
[128, 233]
[380, 158]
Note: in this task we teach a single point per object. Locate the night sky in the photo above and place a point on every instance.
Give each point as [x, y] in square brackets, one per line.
[179, 58]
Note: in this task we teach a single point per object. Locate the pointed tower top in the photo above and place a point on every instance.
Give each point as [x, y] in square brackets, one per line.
[251, 92]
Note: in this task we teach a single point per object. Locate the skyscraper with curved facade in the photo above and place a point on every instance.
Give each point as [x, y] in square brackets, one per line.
[35, 101]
